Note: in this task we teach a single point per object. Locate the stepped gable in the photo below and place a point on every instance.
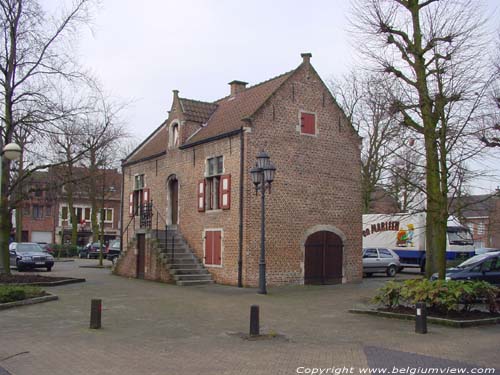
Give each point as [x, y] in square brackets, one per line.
[232, 109]
[153, 145]
[195, 110]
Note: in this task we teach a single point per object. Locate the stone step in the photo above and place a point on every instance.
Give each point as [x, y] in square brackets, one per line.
[193, 282]
[183, 266]
[189, 276]
[189, 271]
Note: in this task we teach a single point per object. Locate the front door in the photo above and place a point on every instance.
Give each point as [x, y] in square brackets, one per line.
[174, 201]
[323, 258]
[141, 255]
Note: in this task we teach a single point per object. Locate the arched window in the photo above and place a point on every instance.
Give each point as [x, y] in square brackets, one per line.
[173, 134]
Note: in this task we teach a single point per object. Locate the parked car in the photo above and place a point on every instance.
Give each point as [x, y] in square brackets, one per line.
[483, 250]
[114, 250]
[482, 267]
[92, 251]
[380, 260]
[28, 255]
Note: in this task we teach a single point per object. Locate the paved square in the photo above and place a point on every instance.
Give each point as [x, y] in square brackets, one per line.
[153, 328]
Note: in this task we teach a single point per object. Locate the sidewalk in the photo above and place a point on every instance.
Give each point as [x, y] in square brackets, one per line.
[153, 328]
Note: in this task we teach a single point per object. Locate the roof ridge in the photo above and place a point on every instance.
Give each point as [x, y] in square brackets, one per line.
[198, 101]
[259, 84]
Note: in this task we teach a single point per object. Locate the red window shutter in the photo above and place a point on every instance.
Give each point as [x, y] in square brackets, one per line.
[225, 192]
[209, 246]
[131, 204]
[217, 236]
[307, 123]
[201, 195]
[145, 196]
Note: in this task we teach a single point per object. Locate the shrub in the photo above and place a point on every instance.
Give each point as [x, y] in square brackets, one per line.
[439, 295]
[10, 293]
[65, 251]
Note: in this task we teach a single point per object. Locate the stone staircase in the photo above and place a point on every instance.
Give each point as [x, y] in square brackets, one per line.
[180, 260]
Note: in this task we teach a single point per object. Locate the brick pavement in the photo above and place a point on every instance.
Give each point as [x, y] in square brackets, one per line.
[152, 328]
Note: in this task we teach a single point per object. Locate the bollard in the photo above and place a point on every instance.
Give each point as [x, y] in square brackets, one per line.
[254, 320]
[95, 313]
[421, 318]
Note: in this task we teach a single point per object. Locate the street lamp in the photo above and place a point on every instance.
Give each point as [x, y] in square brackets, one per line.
[262, 177]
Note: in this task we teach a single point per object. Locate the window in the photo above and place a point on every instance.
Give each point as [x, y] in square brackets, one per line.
[87, 214]
[384, 253]
[307, 123]
[37, 212]
[108, 215]
[48, 210]
[26, 210]
[213, 245]
[214, 192]
[139, 182]
[173, 135]
[370, 253]
[480, 228]
[38, 192]
[215, 167]
[64, 213]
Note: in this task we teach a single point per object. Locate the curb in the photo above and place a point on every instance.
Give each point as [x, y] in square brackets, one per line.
[98, 267]
[29, 301]
[441, 321]
[51, 283]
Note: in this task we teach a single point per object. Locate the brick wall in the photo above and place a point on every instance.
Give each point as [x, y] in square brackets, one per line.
[317, 181]
[317, 186]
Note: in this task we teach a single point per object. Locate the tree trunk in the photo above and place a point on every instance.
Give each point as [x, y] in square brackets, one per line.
[19, 208]
[5, 224]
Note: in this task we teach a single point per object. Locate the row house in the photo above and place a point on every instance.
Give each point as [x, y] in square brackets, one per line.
[189, 183]
[45, 208]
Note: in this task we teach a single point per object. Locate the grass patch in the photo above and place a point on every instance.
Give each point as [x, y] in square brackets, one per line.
[11, 293]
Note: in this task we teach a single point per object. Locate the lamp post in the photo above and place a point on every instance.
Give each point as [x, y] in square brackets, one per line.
[11, 151]
[262, 177]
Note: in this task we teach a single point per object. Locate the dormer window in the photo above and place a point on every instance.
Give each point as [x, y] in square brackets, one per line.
[174, 135]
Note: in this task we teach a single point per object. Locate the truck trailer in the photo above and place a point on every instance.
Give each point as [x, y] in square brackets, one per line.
[405, 234]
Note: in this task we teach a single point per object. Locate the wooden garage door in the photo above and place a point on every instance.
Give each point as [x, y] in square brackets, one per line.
[323, 259]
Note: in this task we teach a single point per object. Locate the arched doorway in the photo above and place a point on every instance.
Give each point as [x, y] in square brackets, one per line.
[173, 200]
[323, 258]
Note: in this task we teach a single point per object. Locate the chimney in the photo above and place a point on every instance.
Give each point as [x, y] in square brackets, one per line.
[237, 86]
[306, 57]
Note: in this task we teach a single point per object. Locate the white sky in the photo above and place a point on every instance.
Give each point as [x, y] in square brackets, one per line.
[142, 50]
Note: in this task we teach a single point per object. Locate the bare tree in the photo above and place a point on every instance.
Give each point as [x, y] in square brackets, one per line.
[434, 51]
[364, 99]
[35, 58]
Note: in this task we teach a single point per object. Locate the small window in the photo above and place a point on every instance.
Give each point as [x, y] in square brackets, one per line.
[26, 210]
[139, 182]
[175, 135]
[87, 214]
[48, 210]
[480, 228]
[384, 253]
[37, 212]
[370, 253]
[307, 123]
[215, 168]
[64, 213]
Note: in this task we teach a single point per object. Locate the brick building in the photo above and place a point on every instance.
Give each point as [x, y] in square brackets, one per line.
[481, 213]
[45, 215]
[192, 174]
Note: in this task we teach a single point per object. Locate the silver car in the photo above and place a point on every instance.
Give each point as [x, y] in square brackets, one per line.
[380, 260]
[28, 255]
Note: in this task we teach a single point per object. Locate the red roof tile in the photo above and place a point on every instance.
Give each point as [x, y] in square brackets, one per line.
[155, 144]
[232, 110]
